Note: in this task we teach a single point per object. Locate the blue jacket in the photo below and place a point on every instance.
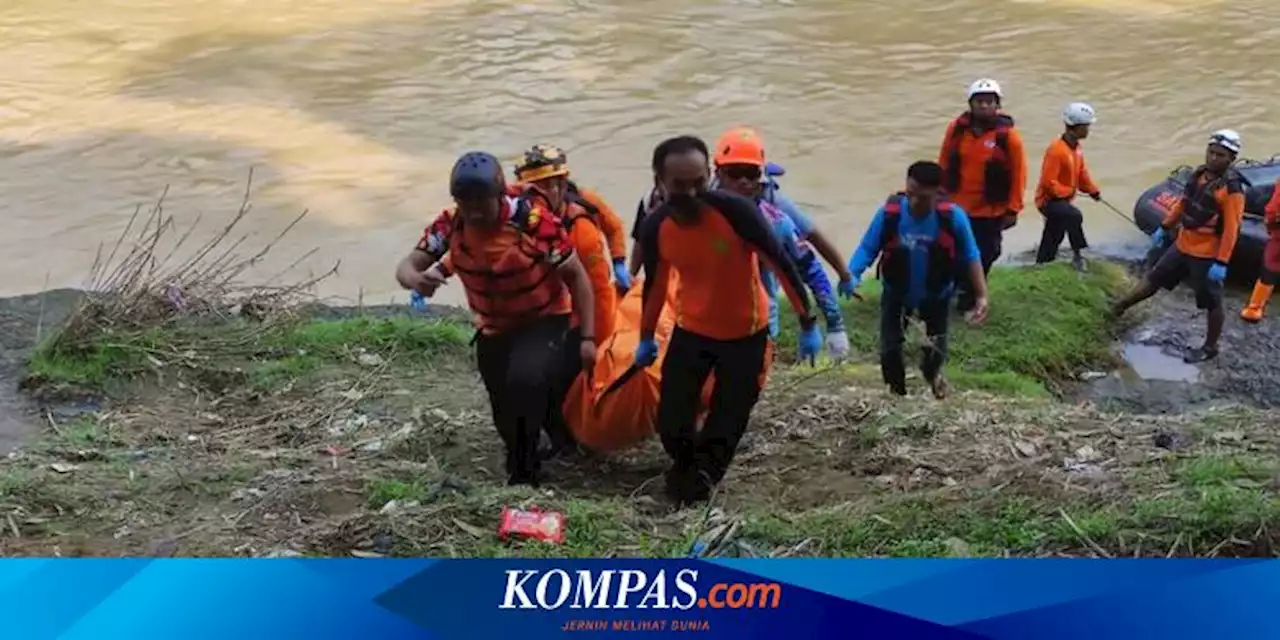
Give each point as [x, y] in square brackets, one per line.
[916, 235]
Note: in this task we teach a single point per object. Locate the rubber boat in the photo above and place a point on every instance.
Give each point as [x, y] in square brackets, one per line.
[1260, 177]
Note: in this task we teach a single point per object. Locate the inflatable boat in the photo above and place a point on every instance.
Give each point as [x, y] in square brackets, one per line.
[1260, 178]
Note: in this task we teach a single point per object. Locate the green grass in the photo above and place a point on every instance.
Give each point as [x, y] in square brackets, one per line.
[1196, 515]
[1199, 506]
[1045, 324]
[993, 524]
[269, 355]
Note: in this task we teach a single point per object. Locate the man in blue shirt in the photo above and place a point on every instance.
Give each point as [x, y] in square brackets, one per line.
[925, 246]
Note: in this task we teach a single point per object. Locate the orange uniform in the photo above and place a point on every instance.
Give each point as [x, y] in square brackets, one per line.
[510, 272]
[716, 256]
[1210, 213]
[605, 217]
[587, 239]
[1063, 173]
[987, 171]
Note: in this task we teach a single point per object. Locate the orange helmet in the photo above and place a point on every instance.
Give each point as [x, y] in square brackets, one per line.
[740, 145]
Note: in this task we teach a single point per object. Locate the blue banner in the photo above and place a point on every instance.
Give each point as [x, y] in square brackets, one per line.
[141, 599]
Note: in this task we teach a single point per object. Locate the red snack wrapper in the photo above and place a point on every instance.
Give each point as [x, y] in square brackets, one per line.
[533, 523]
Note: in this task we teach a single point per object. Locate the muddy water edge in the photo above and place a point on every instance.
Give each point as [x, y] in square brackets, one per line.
[1154, 378]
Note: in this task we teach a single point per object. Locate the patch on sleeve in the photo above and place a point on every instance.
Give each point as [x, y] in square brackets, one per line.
[435, 238]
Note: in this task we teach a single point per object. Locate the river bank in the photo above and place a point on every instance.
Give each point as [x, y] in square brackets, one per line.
[364, 432]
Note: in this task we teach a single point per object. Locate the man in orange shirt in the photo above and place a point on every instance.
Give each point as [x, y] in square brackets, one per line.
[985, 172]
[1062, 174]
[1209, 214]
[713, 241]
[544, 178]
[523, 281]
[611, 226]
[1270, 276]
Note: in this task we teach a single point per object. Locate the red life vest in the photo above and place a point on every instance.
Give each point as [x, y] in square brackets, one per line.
[509, 279]
[894, 267]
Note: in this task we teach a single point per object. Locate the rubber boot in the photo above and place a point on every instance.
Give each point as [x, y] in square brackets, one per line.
[1257, 303]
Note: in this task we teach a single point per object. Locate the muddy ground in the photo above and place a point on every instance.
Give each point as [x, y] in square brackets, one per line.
[365, 458]
[23, 320]
[1156, 381]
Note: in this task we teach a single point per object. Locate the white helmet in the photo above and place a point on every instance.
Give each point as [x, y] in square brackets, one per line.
[1078, 113]
[1227, 139]
[985, 85]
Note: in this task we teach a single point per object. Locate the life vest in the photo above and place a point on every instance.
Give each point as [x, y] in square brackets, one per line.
[1200, 208]
[997, 175]
[511, 286]
[584, 211]
[575, 196]
[894, 267]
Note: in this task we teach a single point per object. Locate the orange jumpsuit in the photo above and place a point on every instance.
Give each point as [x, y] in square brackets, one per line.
[1270, 275]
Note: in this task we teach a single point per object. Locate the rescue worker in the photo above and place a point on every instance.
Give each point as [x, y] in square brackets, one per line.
[740, 168]
[1270, 276]
[772, 193]
[1062, 174]
[544, 174]
[1209, 214]
[985, 173]
[713, 242]
[604, 217]
[926, 248]
[518, 271]
[612, 228]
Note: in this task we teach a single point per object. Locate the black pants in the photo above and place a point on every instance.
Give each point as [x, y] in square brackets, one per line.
[700, 459]
[570, 367]
[1061, 218]
[520, 369]
[893, 321]
[1176, 267]
[988, 233]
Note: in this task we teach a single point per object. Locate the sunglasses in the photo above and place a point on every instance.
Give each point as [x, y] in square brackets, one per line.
[742, 172]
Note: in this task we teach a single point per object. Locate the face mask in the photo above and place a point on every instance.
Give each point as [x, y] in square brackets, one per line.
[685, 204]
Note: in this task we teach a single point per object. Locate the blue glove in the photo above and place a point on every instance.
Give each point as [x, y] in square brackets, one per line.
[646, 352]
[1158, 238]
[810, 343]
[417, 301]
[1218, 272]
[848, 288]
[621, 276]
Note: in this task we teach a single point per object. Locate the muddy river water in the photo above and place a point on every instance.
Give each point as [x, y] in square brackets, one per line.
[355, 110]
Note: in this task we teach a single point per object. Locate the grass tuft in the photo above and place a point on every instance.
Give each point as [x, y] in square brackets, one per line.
[1046, 323]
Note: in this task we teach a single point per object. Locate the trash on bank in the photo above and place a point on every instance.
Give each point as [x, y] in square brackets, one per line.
[533, 523]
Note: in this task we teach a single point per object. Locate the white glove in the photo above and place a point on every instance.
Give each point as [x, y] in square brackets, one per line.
[837, 345]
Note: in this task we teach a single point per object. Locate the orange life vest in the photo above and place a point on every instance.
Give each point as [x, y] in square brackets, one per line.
[508, 279]
[997, 176]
